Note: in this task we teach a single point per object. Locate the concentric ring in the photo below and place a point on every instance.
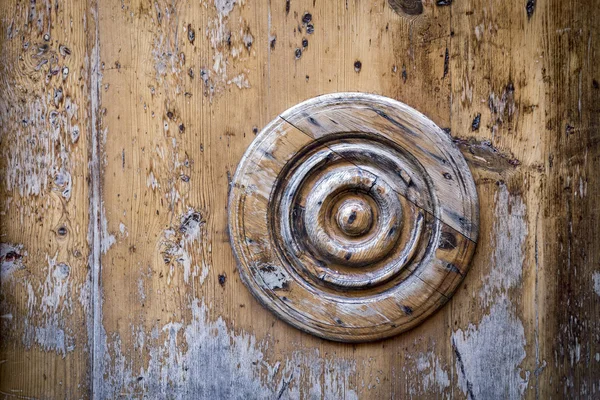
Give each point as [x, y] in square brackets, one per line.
[340, 211]
[306, 233]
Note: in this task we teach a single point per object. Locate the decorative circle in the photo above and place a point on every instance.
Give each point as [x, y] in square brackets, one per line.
[353, 217]
[325, 234]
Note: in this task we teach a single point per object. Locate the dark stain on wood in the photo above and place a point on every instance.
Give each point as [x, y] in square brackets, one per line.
[454, 268]
[446, 63]
[481, 154]
[409, 7]
[476, 122]
[407, 310]
[357, 66]
[447, 241]
[530, 8]
[191, 33]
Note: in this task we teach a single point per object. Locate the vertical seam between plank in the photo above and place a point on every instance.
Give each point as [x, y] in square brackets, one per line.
[95, 211]
[450, 76]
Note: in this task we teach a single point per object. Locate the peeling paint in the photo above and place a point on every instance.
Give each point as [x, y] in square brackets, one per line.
[596, 279]
[107, 238]
[141, 290]
[47, 307]
[207, 360]
[204, 272]
[432, 373]
[488, 356]
[241, 81]
[151, 181]
[123, 229]
[176, 244]
[43, 141]
[502, 106]
[582, 188]
[509, 235]
[43, 320]
[425, 375]
[273, 277]
[39, 122]
[229, 44]
[167, 61]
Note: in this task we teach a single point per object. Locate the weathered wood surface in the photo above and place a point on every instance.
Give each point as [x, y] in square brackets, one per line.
[45, 130]
[133, 150]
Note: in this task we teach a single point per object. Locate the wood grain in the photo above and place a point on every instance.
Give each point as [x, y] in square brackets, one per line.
[169, 96]
[45, 130]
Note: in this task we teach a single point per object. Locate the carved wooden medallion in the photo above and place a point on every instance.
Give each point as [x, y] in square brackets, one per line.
[353, 217]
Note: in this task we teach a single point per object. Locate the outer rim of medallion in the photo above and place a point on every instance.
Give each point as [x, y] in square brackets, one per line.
[341, 316]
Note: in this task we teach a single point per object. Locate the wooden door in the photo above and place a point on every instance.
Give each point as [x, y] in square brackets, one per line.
[122, 123]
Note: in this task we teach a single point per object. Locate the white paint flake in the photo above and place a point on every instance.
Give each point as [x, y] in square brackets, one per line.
[204, 359]
[425, 375]
[224, 7]
[582, 187]
[44, 323]
[241, 81]
[151, 181]
[272, 277]
[509, 235]
[141, 290]
[123, 229]
[479, 31]
[431, 372]
[178, 242]
[488, 356]
[204, 272]
[596, 279]
[107, 238]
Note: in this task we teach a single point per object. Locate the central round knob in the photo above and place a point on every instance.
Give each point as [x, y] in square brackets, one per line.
[354, 217]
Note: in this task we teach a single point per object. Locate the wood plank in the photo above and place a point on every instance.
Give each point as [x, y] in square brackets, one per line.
[569, 222]
[44, 135]
[516, 84]
[521, 75]
[171, 270]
